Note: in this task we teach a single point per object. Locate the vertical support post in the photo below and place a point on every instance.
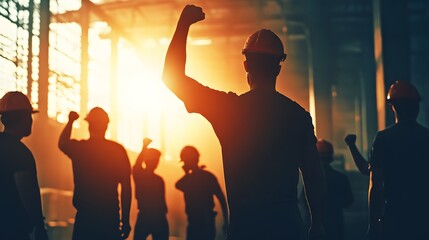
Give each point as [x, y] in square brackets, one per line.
[320, 81]
[30, 50]
[391, 50]
[84, 24]
[45, 15]
[114, 85]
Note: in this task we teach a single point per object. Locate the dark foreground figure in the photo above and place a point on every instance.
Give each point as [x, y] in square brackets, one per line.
[99, 167]
[399, 160]
[266, 138]
[398, 194]
[150, 194]
[20, 204]
[199, 186]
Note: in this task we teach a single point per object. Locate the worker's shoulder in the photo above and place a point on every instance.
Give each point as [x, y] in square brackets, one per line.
[411, 127]
[209, 176]
[114, 145]
[291, 105]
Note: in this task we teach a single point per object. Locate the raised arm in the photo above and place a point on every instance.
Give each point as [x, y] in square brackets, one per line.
[141, 157]
[359, 160]
[315, 190]
[175, 60]
[66, 133]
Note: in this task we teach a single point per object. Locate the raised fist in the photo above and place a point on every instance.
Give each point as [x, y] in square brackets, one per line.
[192, 14]
[73, 116]
[146, 141]
[350, 139]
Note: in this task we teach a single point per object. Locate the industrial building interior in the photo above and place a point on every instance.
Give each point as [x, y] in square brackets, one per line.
[73, 55]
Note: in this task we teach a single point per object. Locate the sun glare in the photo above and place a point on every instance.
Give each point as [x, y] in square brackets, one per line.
[144, 102]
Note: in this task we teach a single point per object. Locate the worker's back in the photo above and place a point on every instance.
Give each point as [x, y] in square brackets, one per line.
[401, 152]
[263, 137]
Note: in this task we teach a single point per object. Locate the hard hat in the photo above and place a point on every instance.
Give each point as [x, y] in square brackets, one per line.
[325, 147]
[402, 90]
[264, 41]
[189, 153]
[15, 101]
[97, 115]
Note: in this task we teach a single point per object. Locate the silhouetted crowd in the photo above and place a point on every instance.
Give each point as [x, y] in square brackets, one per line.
[279, 180]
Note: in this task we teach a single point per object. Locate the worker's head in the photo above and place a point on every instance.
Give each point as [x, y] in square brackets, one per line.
[190, 157]
[16, 110]
[326, 151]
[405, 99]
[98, 121]
[152, 156]
[263, 51]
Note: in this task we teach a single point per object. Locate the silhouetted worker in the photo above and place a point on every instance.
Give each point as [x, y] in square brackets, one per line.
[265, 137]
[361, 163]
[20, 204]
[339, 193]
[399, 161]
[198, 187]
[150, 194]
[99, 167]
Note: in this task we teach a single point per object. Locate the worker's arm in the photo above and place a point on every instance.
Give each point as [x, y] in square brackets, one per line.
[66, 133]
[359, 160]
[175, 60]
[315, 190]
[141, 157]
[125, 206]
[376, 202]
[222, 200]
[29, 193]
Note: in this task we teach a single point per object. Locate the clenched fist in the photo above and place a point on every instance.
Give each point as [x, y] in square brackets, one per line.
[191, 14]
[73, 116]
[146, 141]
[350, 139]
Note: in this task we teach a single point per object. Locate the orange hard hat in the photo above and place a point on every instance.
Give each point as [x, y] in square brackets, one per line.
[15, 101]
[403, 90]
[266, 42]
[97, 115]
[325, 147]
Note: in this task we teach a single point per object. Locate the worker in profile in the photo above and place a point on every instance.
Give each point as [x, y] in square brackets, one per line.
[20, 204]
[199, 186]
[266, 138]
[150, 195]
[100, 166]
[398, 196]
[339, 192]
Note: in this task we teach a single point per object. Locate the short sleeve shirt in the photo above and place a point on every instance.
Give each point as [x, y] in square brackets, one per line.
[150, 192]
[401, 153]
[99, 165]
[14, 157]
[198, 188]
[263, 137]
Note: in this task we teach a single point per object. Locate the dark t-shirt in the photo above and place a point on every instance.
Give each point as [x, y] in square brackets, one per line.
[150, 192]
[339, 196]
[99, 165]
[401, 152]
[263, 137]
[199, 188]
[14, 157]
